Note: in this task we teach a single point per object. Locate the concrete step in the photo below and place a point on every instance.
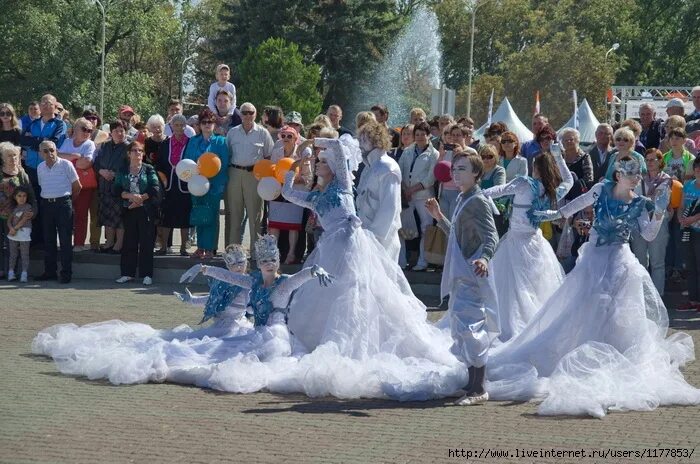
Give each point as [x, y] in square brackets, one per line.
[168, 269]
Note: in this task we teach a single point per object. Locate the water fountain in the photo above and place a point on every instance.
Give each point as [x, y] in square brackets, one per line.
[410, 69]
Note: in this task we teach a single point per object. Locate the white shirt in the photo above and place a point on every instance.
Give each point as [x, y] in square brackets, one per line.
[379, 200]
[56, 181]
[214, 89]
[246, 149]
[85, 150]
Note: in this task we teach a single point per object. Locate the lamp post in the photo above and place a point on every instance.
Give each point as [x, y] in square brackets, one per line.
[614, 47]
[182, 75]
[476, 5]
[102, 77]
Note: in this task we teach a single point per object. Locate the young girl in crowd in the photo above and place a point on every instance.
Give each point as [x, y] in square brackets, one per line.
[19, 233]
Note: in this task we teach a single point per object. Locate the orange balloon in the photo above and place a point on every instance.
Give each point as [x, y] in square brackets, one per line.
[264, 168]
[209, 164]
[282, 169]
[676, 194]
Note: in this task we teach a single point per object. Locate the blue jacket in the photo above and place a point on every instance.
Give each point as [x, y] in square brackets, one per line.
[32, 136]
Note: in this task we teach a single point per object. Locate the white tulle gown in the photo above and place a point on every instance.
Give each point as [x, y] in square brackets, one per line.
[525, 268]
[366, 335]
[600, 341]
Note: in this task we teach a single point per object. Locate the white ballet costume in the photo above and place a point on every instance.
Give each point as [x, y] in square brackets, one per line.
[525, 268]
[600, 341]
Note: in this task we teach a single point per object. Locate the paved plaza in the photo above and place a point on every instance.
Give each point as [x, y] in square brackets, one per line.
[51, 418]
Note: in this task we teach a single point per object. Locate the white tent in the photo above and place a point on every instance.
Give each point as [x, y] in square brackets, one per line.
[587, 123]
[506, 114]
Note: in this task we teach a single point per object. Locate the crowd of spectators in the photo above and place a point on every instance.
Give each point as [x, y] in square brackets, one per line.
[66, 178]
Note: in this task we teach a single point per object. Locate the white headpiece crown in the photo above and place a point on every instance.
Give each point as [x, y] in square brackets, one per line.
[235, 254]
[266, 249]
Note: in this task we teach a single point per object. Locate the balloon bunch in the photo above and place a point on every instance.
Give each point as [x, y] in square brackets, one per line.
[271, 177]
[197, 174]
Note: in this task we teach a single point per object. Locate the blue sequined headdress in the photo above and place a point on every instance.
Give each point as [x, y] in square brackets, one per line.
[235, 255]
[630, 167]
[266, 249]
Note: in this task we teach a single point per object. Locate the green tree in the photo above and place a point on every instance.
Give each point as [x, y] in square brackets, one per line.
[275, 74]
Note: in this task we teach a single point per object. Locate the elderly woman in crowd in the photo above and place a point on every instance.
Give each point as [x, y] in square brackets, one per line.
[80, 151]
[578, 161]
[13, 177]
[9, 125]
[110, 159]
[98, 135]
[138, 190]
[652, 254]
[283, 214]
[176, 205]
[624, 141]
[156, 127]
[514, 164]
[205, 209]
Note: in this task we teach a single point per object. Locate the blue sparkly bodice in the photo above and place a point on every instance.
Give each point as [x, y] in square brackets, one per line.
[540, 202]
[260, 297]
[221, 296]
[614, 219]
[333, 204]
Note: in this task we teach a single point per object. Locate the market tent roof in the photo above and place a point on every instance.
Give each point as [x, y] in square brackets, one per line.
[506, 114]
[587, 123]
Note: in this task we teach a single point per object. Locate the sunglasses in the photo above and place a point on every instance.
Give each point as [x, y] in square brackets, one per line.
[58, 108]
[48, 150]
[91, 118]
[5, 113]
[622, 139]
[86, 130]
[286, 136]
[507, 141]
[205, 122]
[487, 157]
[247, 113]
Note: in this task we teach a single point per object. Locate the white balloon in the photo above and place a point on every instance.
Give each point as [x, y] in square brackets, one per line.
[198, 185]
[185, 169]
[269, 189]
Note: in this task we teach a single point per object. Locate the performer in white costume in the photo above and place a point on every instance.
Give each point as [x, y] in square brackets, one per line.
[525, 267]
[600, 342]
[472, 312]
[135, 353]
[379, 191]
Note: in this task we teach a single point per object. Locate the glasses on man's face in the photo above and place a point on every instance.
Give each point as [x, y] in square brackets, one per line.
[48, 150]
[622, 139]
[247, 113]
[5, 114]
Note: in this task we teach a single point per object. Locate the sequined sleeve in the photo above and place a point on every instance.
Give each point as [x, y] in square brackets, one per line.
[580, 202]
[283, 292]
[298, 197]
[234, 278]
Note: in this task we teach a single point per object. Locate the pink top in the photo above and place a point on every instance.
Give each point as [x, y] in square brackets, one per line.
[176, 149]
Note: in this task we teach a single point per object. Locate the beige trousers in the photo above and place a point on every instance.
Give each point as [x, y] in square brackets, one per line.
[242, 197]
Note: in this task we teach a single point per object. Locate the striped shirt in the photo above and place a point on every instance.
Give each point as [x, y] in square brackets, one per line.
[56, 181]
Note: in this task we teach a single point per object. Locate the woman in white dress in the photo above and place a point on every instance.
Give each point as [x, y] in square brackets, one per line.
[525, 267]
[600, 341]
